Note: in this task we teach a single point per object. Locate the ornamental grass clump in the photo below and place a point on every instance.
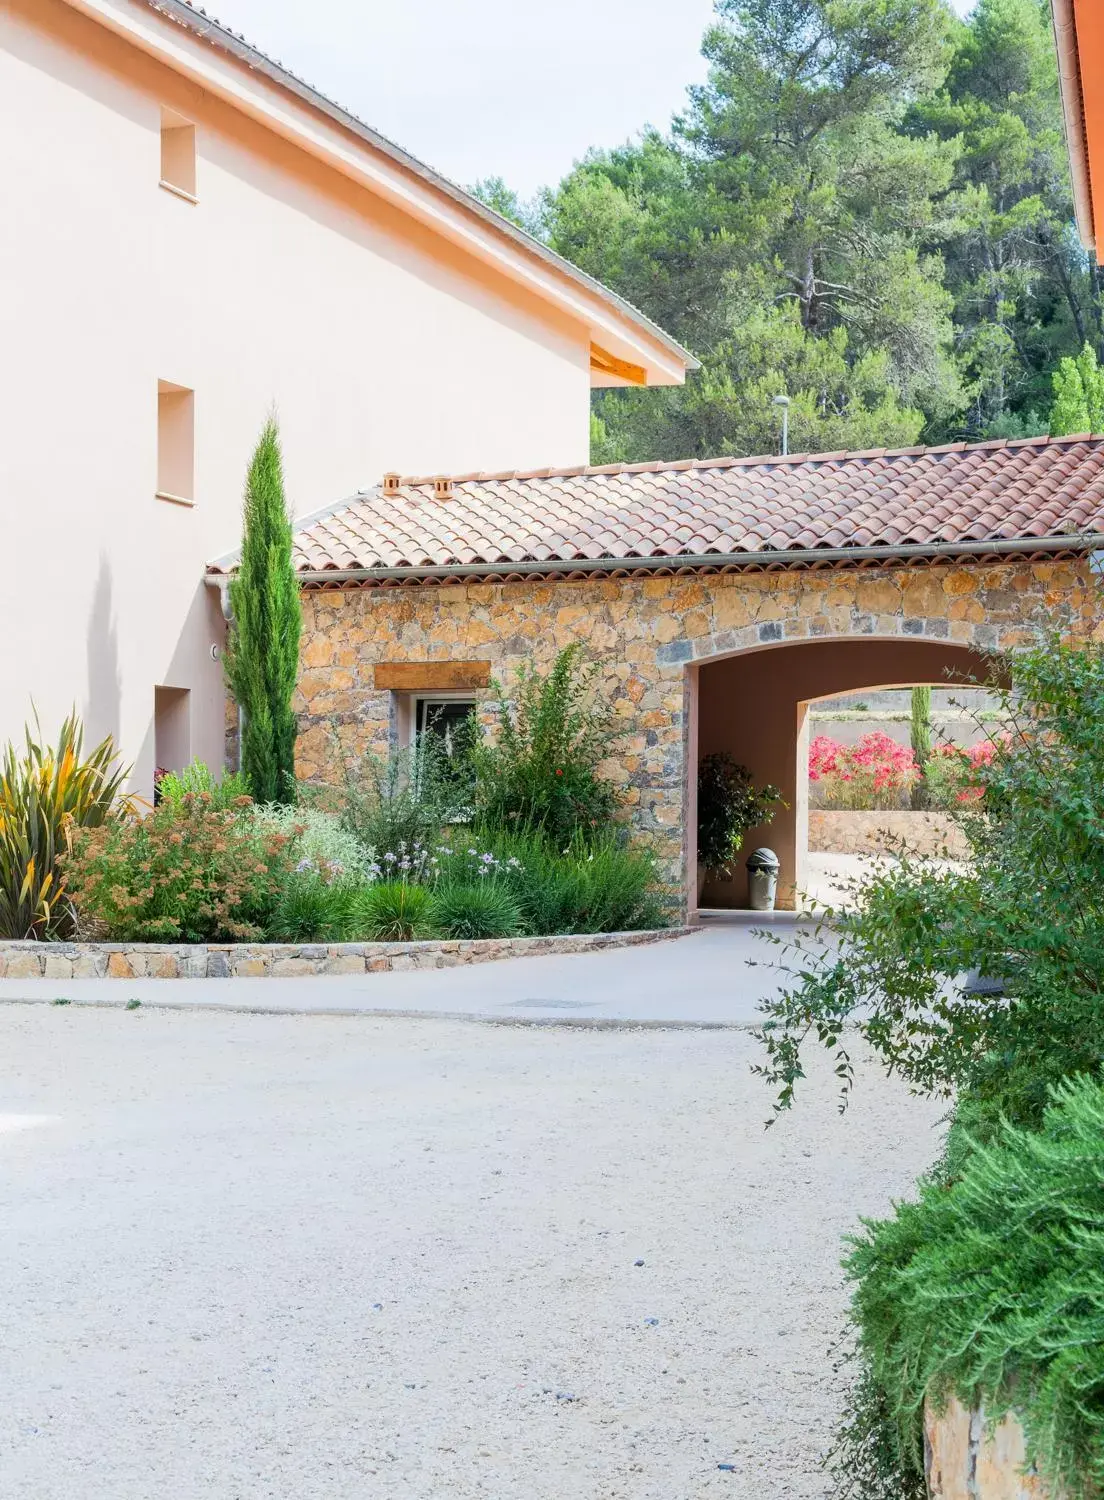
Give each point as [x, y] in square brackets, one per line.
[393, 911]
[474, 909]
[598, 885]
[188, 872]
[47, 794]
[314, 906]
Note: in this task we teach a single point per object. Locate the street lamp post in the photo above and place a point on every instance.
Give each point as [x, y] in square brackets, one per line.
[784, 403]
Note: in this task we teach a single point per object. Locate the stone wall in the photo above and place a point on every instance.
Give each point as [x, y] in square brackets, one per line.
[966, 1460]
[647, 632]
[925, 833]
[288, 960]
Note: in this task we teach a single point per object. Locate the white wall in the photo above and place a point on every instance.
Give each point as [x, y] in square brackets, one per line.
[286, 285]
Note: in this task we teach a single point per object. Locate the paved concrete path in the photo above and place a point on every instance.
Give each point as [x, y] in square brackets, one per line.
[254, 1257]
[703, 979]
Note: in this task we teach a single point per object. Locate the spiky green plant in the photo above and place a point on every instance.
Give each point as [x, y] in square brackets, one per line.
[474, 909]
[45, 793]
[392, 911]
[262, 657]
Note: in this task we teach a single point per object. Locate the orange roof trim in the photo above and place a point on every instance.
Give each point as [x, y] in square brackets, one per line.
[1079, 36]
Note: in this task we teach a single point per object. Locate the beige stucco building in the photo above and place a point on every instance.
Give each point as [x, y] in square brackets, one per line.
[191, 236]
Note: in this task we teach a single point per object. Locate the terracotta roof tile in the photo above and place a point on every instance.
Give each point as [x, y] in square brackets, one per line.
[1002, 490]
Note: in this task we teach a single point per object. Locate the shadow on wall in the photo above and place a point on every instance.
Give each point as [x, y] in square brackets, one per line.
[102, 714]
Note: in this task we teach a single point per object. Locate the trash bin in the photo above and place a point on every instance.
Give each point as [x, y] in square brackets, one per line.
[762, 868]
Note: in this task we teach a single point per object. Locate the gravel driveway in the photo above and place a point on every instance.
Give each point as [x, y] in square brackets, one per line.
[254, 1256]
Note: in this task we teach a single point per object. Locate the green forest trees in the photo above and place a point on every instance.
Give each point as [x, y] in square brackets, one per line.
[865, 206]
[262, 656]
[1078, 395]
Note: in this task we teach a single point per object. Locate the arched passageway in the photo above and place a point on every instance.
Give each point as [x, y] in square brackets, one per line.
[754, 705]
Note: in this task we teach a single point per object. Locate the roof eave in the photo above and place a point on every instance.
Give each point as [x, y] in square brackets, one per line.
[1064, 17]
[399, 177]
[798, 557]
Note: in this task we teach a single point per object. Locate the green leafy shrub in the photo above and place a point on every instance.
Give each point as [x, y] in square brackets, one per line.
[400, 801]
[319, 837]
[728, 805]
[983, 1286]
[46, 794]
[1028, 909]
[189, 872]
[992, 1287]
[392, 911]
[541, 770]
[600, 886]
[199, 779]
[475, 909]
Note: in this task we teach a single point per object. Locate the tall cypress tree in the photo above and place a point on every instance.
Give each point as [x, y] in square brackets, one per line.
[921, 737]
[262, 659]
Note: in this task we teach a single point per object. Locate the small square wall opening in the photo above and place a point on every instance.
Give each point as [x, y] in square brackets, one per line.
[172, 728]
[175, 442]
[178, 153]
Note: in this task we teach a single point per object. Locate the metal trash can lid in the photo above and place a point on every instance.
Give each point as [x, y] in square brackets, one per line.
[763, 859]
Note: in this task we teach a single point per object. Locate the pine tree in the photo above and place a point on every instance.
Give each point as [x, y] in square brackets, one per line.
[262, 658]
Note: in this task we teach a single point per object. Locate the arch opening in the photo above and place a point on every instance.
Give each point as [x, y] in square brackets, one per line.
[756, 706]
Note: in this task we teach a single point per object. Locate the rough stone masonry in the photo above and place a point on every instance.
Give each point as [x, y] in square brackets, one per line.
[648, 634]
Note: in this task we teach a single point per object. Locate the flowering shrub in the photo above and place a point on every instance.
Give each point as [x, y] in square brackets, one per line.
[417, 864]
[189, 872]
[956, 775]
[875, 772]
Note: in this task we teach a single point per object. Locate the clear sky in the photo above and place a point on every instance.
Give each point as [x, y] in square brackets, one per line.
[481, 88]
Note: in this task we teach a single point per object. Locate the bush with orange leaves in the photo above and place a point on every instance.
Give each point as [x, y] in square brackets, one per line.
[189, 872]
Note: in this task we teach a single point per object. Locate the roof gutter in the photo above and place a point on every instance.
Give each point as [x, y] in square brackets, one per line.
[997, 547]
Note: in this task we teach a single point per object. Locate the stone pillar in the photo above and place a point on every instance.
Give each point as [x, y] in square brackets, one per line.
[965, 1461]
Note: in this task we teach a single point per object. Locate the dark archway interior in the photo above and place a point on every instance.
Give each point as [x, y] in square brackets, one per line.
[754, 706]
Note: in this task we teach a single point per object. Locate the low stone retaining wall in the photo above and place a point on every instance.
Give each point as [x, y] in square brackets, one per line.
[933, 833]
[288, 960]
[966, 1462]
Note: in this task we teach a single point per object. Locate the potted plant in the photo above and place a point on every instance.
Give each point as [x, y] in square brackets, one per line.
[728, 805]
